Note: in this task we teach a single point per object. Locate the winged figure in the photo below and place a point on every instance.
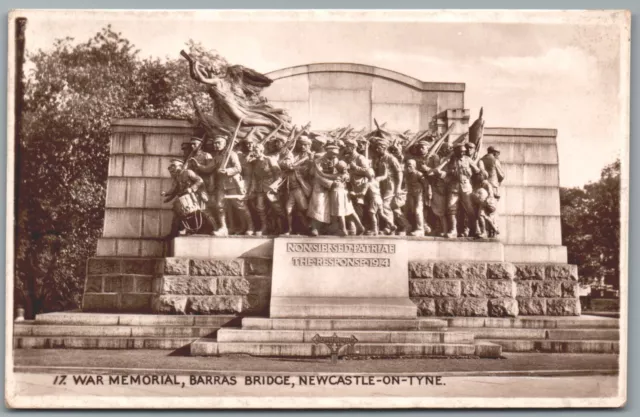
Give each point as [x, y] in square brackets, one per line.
[235, 91]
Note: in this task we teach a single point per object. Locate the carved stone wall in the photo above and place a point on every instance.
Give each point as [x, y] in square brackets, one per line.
[136, 218]
[333, 95]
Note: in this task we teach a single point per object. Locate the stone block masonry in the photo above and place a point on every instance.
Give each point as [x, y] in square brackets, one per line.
[178, 285]
[496, 289]
[242, 286]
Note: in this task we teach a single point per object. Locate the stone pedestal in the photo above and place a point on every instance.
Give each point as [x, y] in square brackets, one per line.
[233, 275]
[334, 277]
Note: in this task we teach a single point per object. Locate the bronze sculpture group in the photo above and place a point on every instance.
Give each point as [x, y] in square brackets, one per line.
[253, 172]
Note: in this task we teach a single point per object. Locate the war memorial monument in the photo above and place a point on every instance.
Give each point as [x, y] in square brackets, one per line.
[329, 203]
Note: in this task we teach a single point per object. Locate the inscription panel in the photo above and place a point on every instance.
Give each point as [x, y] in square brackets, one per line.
[339, 267]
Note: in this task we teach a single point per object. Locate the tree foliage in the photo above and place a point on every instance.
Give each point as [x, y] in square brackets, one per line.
[72, 94]
[591, 226]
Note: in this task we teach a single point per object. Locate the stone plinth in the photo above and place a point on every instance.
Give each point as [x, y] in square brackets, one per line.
[340, 277]
[427, 277]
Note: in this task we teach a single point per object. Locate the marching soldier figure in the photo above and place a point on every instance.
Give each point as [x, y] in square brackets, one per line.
[459, 171]
[274, 146]
[194, 151]
[491, 170]
[358, 171]
[426, 164]
[390, 187]
[265, 171]
[297, 166]
[227, 184]
[245, 155]
[416, 184]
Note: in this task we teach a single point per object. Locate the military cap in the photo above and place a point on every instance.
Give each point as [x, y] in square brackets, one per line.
[351, 142]
[380, 141]
[246, 141]
[469, 145]
[176, 161]
[424, 141]
[458, 145]
[218, 138]
[195, 140]
[331, 145]
[491, 149]
[305, 140]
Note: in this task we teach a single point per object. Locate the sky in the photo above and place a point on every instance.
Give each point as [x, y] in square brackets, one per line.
[554, 71]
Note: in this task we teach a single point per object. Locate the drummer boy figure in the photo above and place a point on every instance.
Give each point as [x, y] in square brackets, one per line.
[185, 181]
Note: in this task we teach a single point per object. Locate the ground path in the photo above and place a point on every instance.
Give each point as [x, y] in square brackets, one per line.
[525, 380]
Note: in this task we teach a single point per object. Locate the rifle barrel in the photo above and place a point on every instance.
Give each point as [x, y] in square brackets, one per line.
[186, 56]
[233, 142]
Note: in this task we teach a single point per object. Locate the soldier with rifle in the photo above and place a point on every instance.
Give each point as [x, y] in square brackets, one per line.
[358, 167]
[426, 162]
[225, 167]
[245, 155]
[390, 188]
[264, 172]
[459, 170]
[296, 167]
[276, 145]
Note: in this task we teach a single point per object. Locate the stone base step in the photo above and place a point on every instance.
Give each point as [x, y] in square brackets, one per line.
[535, 322]
[342, 307]
[558, 346]
[74, 342]
[133, 319]
[111, 331]
[536, 334]
[211, 348]
[229, 335]
[258, 323]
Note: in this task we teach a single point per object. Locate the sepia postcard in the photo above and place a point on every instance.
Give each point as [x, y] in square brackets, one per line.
[317, 209]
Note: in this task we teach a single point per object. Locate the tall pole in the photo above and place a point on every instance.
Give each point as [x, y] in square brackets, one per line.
[19, 89]
[18, 108]
[21, 26]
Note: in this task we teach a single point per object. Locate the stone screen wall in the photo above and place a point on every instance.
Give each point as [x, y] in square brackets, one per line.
[335, 95]
[135, 216]
[529, 209]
